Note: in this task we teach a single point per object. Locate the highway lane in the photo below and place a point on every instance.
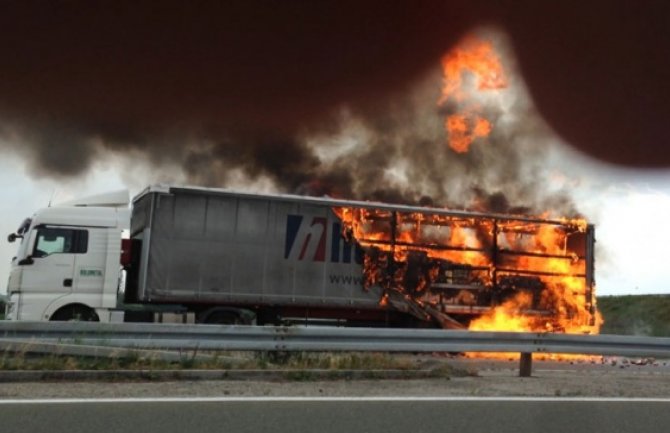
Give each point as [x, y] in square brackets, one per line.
[331, 415]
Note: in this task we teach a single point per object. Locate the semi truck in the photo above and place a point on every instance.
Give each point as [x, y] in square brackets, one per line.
[207, 255]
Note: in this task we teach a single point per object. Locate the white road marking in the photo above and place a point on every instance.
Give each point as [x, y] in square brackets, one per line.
[326, 399]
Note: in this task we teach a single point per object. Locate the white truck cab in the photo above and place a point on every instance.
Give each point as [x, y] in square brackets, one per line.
[68, 262]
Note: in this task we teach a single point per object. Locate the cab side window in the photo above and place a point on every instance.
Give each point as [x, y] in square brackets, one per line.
[57, 240]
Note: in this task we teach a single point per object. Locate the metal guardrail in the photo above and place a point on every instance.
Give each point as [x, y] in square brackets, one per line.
[298, 338]
[292, 338]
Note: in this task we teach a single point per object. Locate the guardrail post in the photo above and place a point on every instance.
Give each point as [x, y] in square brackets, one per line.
[525, 365]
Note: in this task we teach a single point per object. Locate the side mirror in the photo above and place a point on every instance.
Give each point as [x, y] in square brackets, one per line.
[11, 238]
[27, 261]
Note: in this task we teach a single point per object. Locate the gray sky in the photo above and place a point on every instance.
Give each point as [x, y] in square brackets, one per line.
[631, 211]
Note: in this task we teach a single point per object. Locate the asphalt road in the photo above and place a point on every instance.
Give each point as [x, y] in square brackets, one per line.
[330, 415]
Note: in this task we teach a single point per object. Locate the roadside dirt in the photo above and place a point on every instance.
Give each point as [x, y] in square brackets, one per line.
[613, 378]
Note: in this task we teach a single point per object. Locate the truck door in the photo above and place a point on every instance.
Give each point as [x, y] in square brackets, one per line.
[49, 271]
[89, 265]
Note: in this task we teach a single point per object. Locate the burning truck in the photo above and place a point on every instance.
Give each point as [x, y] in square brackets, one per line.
[219, 256]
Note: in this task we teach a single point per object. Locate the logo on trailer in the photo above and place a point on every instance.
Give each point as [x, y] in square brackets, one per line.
[307, 239]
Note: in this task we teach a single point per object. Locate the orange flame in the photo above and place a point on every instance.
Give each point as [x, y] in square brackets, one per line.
[506, 317]
[497, 274]
[477, 59]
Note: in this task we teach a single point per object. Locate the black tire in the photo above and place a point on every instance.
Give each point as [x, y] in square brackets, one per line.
[223, 318]
[75, 313]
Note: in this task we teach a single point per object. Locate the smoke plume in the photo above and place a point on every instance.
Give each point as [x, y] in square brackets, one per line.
[325, 97]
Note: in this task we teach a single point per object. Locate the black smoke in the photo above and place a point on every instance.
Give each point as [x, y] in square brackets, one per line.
[224, 88]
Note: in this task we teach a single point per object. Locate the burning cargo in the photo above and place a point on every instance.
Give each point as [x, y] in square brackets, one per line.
[487, 271]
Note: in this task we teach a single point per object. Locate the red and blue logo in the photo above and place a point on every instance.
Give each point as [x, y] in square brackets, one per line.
[307, 239]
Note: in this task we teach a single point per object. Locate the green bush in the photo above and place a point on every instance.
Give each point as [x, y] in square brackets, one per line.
[636, 315]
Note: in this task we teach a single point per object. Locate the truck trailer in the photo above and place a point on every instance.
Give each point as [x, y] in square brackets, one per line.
[218, 256]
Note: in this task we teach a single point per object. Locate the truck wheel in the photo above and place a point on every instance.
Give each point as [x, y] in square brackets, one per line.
[224, 318]
[75, 313]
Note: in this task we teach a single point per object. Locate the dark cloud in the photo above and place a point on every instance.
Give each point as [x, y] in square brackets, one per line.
[123, 67]
[285, 160]
[212, 86]
[599, 73]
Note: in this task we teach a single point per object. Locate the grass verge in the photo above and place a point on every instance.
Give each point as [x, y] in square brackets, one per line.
[636, 315]
[294, 366]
